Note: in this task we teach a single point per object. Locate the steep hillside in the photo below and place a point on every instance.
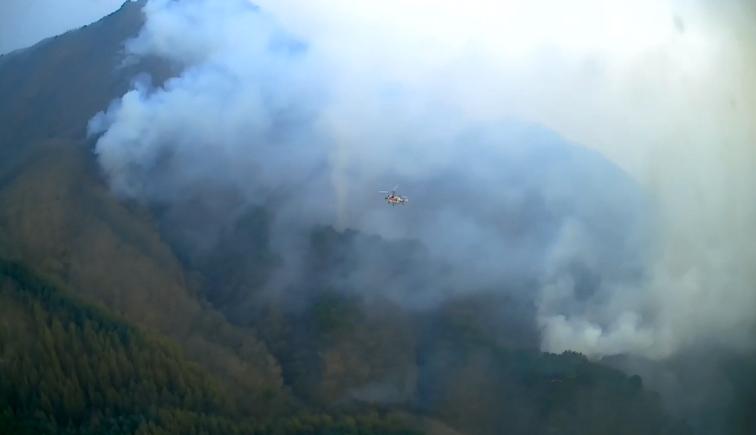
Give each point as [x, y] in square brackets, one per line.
[66, 367]
[57, 216]
[69, 365]
[52, 89]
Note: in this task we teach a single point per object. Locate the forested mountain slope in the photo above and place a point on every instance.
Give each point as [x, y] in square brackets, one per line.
[57, 216]
[66, 367]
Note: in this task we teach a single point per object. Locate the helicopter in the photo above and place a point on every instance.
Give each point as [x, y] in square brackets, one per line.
[393, 198]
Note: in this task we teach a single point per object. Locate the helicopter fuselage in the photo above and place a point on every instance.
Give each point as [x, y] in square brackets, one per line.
[396, 199]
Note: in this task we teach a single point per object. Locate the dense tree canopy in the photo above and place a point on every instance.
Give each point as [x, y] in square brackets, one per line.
[66, 367]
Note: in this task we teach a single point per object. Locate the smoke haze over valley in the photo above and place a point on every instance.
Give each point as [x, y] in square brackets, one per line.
[582, 208]
[281, 105]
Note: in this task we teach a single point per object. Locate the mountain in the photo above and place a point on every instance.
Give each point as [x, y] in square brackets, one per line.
[68, 367]
[112, 325]
[58, 216]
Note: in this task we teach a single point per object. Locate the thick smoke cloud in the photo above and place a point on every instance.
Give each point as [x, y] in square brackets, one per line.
[310, 108]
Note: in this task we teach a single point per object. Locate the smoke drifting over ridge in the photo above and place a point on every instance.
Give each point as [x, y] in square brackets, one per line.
[313, 107]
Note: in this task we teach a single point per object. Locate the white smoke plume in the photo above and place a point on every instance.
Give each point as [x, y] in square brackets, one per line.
[337, 99]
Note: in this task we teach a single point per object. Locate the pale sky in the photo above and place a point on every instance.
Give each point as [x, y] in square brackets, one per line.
[26, 22]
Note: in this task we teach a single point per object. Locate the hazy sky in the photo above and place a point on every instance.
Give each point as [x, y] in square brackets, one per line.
[25, 22]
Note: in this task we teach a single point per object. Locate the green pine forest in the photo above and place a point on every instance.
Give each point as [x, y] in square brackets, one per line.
[70, 368]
